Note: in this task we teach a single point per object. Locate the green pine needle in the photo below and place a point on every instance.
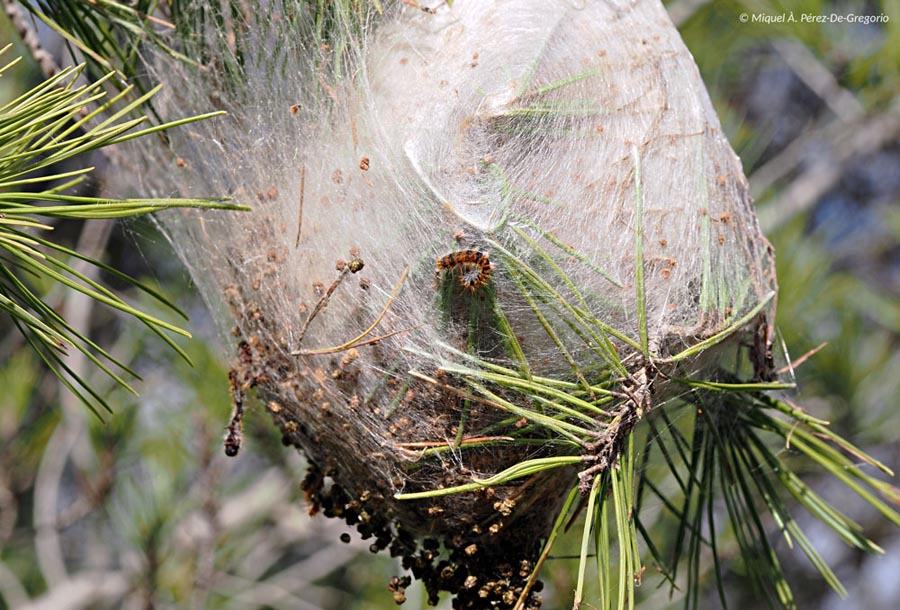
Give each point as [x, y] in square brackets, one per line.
[56, 121]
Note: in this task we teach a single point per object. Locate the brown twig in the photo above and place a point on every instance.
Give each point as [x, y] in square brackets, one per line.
[358, 340]
[341, 348]
[792, 366]
[466, 441]
[320, 304]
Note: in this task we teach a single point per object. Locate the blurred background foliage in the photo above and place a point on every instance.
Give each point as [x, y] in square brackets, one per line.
[143, 510]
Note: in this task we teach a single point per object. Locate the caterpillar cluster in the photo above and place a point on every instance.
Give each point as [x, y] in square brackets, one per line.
[474, 268]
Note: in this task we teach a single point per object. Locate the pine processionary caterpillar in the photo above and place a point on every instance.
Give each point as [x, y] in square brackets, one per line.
[474, 267]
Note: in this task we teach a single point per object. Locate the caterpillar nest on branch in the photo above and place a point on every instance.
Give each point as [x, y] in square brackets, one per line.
[561, 167]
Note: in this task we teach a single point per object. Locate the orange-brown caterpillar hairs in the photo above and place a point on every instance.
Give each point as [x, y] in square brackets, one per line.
[475, 267]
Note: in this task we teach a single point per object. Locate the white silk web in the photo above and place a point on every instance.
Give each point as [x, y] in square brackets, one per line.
[573, 144]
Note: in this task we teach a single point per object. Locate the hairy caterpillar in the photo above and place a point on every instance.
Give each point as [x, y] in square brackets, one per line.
[475, 267]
